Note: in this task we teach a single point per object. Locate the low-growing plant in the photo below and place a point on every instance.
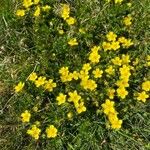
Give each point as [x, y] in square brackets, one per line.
[87, 68]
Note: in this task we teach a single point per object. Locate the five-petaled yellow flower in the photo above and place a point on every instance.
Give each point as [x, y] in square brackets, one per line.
[142, 96]
[19, 87]
[25, 117]
[34, 132]
[61, 98]
[71, 21]
[111, 36]
[146, 86]
[73, 42]
[51, 131]
[20, 12]
[33, 76]
[40, 81]
[97, 73]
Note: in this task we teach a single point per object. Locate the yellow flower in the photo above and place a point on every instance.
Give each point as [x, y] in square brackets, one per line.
[81, 108]
[19, 87]
[116, 124]
[115, 45]
[88, 84]
[66, 77]
[95, 49]
[112, 116]
[26, 116]
[117, 61]
[86, 67]
[111, 36]
[61, 32]
[106, 46]
[124, 69]
[61, 98]
[127, 20]
[110, 70]
[148, 64]
[33, 76]
[97, 73]
[20, 12]
[146, 86]
[37, 11]
[110, 93]
[64, 71]
[118, 1]
[46, 8]
[94, 57]
[36, 2]
[73, 42]
[74, 97]
[51, 131]
[34, 132]
[70, 21]
[91, 85]
[122, 40]
[70, 76]
[65, 11]
[125, 72]
[127, 43]
[125, 59]
[27, 3]
[49, 85]
[148, 58]
[40, 81]
[122, 92]
[75, 75]
[108, 107]
[122, 83]
[142, 96]
[83, 75]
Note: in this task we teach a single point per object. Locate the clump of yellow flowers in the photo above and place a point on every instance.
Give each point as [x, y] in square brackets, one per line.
[65, 14]
[105, 75]
[27, 6]
[42, 82]
[109, 110]
[35, 131]
[114, 43]
[143, 96]
[78, 102]
[122, 83]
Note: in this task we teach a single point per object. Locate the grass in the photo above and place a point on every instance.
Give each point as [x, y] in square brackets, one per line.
[22, 50]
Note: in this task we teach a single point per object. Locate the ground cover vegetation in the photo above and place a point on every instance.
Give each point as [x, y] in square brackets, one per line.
[74, 75]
